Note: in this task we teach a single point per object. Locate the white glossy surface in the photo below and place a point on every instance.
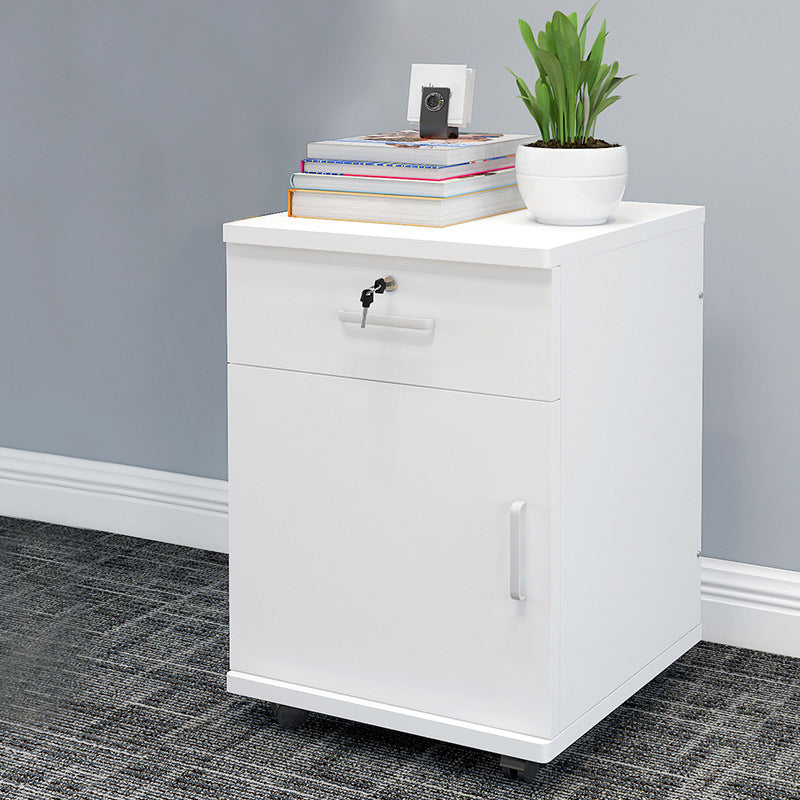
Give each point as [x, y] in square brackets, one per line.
[554, 162]
[631, 443]
[369, 543]
[513, 239]
[571, 201]
[459, 731]
[380, 499]
[572, 187]
[494, 328]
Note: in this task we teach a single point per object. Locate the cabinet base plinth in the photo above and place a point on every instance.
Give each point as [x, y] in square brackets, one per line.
[432, 726]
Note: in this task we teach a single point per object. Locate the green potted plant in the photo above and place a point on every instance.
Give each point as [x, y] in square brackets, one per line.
[569, 177]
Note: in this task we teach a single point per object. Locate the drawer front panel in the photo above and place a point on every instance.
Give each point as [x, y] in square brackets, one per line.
[475, 328]
[377, 538]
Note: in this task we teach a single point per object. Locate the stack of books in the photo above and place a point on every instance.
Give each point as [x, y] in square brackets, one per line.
[402, 179]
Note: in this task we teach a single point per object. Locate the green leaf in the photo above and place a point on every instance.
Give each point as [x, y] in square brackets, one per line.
[542, 119]
[582, 32]
[531, 109]
[594, 87]
[605, 74]
[548, 38]
[605, 88]
[565, 37]
[583, 72]
[527, 36]
[614, 82]
[521, 85]
[520, 81]
[573, 18]
[544, 96]
[601, 106]
[595, 59]
[596, 53]
[555, 77]
[608, 101]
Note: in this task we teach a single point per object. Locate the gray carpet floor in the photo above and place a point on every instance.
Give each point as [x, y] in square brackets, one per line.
[113, 653]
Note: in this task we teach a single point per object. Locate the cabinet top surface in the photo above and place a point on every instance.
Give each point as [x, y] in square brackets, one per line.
[513, 239]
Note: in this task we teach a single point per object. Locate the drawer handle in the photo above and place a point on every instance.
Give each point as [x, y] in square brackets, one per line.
[515, 546]
[412, 323]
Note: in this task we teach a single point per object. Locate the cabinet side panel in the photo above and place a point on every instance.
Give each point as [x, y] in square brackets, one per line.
[631, 461]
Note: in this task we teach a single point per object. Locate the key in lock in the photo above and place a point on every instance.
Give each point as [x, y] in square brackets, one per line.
[381, 285]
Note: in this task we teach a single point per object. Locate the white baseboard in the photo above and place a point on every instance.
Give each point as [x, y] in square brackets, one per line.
[742, 604]
[148, 503]
[749, 606]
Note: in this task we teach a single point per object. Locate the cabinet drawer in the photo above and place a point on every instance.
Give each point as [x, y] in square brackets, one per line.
[472, 327]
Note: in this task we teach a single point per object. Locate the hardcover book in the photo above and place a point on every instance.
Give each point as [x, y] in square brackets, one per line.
[396, 186]
[407, 147]
[420, 172]
[433, 212]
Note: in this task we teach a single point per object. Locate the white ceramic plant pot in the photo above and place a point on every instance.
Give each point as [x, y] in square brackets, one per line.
[572, 186]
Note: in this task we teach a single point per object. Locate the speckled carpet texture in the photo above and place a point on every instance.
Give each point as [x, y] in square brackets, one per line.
[113, 653]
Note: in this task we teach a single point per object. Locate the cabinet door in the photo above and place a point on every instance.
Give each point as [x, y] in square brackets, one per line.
[370, 546]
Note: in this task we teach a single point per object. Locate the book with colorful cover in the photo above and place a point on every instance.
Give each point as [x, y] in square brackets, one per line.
[415, 188]
[406, 147]
[436, 212]
[420, 172]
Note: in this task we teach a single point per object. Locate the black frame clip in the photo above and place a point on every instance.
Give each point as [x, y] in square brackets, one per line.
[433, 109]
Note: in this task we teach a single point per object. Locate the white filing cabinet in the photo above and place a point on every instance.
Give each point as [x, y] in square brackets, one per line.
[478, 518]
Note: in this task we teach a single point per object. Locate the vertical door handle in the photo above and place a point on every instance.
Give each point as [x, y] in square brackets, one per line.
[515, 546]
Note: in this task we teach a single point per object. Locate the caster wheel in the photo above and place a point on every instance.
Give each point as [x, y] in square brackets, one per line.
[516, 769]
[289, 718]
[509, 773]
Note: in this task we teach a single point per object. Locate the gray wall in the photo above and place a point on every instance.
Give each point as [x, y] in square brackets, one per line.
[130, 130]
